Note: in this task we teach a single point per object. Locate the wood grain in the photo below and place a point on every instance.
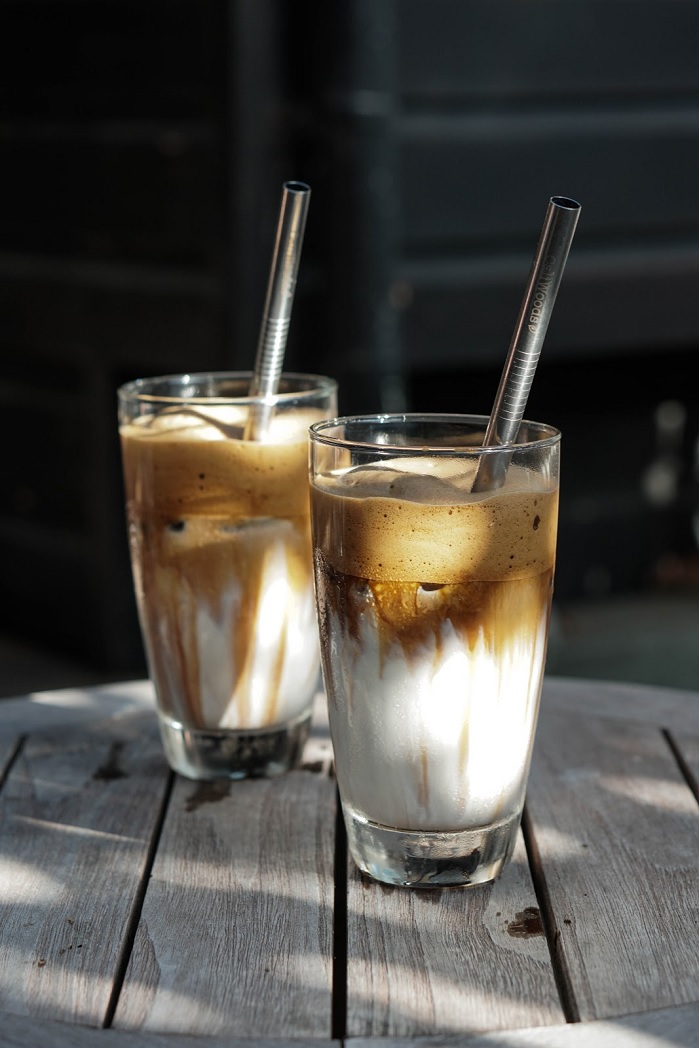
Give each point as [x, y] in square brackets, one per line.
[450, 961]
[668, 1028]
[674, 1028]
[242, 882]
[21, 1032]
[77, 817]
[61, 707]
[617, 831]
[644, 704]
[235, 934]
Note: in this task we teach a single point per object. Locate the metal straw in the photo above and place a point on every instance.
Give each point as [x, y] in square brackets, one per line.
[537, 306]
[276, 315]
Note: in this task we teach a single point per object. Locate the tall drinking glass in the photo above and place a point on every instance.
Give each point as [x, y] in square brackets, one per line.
[434, 603]
[219, 534]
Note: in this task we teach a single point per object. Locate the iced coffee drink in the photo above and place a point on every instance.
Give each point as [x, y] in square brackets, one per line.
[434, 605]
[219, 535]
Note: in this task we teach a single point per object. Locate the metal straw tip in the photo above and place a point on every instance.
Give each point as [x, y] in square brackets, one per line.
[567, 202]
[550, 258]
[297, 187]
[277, 310]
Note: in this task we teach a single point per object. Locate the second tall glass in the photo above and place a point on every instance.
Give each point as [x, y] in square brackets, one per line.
[434, 604]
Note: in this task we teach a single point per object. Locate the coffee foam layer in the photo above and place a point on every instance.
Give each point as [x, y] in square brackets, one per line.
[416, 520]
[195, 462]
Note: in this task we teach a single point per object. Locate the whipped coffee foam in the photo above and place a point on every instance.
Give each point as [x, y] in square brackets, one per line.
[220, 537]
[434, 607]
[404, 526]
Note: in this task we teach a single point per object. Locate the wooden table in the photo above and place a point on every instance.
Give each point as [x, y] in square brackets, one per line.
[139, 908]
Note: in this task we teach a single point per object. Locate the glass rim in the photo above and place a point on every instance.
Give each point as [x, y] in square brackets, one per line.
[550, 434]
[137, 391]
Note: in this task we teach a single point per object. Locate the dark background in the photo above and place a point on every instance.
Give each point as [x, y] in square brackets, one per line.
[143, 144]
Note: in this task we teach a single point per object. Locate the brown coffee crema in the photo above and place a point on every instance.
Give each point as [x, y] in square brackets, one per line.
[483, 564]
[507, 535]
[172, 468]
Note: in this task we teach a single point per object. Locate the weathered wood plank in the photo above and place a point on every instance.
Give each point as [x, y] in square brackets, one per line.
[617, 832]
[61, 707]
[236, 929]
[43, 710]
[20, 1032]
[663, 707]
[676, 1027]
[448, 961]
[76, 804]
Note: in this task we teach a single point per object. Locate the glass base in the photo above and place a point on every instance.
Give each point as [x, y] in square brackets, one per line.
[424, 859]
[257, 753]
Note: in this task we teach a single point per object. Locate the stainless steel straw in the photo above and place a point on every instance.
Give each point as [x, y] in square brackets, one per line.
[537, 306]
[276, 315]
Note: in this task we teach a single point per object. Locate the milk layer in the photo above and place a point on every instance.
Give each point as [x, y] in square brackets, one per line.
[435, 735]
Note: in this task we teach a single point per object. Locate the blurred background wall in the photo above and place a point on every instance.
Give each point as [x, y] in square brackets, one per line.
[143, 144]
